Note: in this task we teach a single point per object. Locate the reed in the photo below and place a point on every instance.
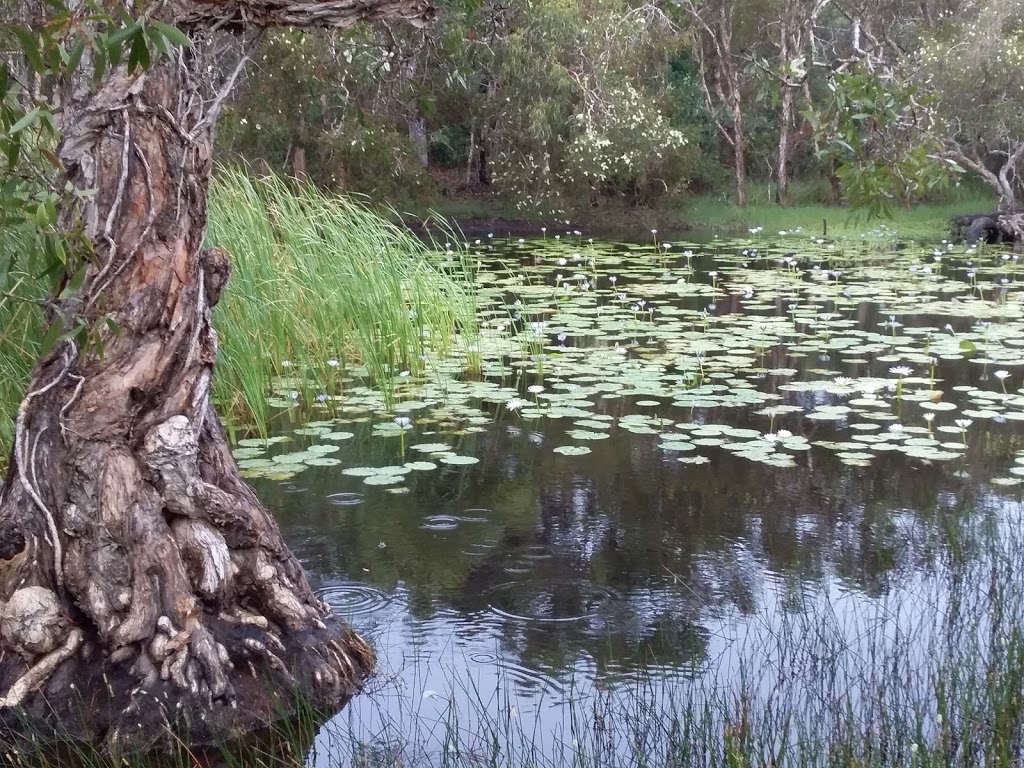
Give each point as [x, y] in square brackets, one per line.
[322, 289]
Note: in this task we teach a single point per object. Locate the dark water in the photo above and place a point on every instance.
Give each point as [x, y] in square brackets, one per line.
[506, 596]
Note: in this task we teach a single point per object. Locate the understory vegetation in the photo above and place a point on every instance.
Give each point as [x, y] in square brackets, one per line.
[320, 287]
[552, 109]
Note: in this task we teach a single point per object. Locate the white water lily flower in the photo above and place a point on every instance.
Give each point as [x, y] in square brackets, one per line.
[901, 370]
[896, 428]
[403, 422]
[1001, 375]
[515, 404]
[534, 389]
[929, 417]
[843, 381]
[782, 434]
[963, 423]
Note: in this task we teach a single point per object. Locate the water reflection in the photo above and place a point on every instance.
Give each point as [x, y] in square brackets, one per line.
[532, 583]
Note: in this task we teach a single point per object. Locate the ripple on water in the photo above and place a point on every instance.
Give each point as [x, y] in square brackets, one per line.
[476, 515]
[546, 602]
[480, 548]
[345, 499]
[353, 598]
[530, 680]
[440, 523]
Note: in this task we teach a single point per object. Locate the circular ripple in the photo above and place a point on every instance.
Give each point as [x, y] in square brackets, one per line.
[479, 549]
[545, 602]
[532, 680]
[483, 658]
[345, 499]
[536, 552]
[441, 523]
[353, 598]
[476, 515]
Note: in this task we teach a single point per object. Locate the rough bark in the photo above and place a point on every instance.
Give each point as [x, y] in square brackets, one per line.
[1002, 181]
[785, 120]
[991, 227]
[143, 587]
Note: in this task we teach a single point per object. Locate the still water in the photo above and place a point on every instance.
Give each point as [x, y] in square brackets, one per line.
[744, 533]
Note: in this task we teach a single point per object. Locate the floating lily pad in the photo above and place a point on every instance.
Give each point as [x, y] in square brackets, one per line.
[572, 450]
[452, 458]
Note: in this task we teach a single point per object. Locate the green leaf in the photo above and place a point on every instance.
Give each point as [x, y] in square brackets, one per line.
[52, 334]
[172, 33]
[75, 57]
[123, 35]
[76, 282]
[30, 47]
[139, 56]
[28, 119]
[968, 346]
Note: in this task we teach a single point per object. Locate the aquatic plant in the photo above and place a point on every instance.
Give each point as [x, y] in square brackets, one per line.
[323, 283]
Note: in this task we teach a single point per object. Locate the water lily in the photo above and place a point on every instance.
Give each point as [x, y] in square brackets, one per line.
[901, 370]
[1002, 376]
[535, 389]
[963, 424]
[515, 404]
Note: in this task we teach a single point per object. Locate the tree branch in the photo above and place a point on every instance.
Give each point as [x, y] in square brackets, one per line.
[238, 14]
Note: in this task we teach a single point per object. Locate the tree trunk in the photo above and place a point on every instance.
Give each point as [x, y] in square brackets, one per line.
[739, 159]
[418, 138]
[786, 120]
[143, 587]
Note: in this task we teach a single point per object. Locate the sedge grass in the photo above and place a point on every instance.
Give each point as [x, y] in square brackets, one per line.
[930, 674]
[321, 287]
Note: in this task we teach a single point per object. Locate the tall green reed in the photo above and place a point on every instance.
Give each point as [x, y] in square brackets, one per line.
[322, 285]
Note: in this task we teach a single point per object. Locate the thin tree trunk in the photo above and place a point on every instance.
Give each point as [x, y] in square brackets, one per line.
[739, 157]
[142, 583]
[786, 120]
[418, 138]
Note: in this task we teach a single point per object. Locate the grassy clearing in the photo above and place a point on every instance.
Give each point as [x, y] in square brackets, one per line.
[321, 288]
[929, 221]
[714, 214]
[930, 675]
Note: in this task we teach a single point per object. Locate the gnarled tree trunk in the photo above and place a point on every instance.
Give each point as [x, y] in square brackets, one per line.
[142, 583]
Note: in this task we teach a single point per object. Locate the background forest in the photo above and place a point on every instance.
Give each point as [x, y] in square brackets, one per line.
[556, 106]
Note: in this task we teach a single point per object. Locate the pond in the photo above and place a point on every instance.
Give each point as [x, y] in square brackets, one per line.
[735, 502]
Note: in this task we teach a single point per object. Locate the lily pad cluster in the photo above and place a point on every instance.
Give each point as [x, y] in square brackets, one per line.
[764, 349]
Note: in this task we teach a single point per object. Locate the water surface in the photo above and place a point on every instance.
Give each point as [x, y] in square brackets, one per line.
[746, 498]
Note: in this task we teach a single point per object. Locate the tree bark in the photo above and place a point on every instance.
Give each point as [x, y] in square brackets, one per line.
[786, 120]
[144, 590]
